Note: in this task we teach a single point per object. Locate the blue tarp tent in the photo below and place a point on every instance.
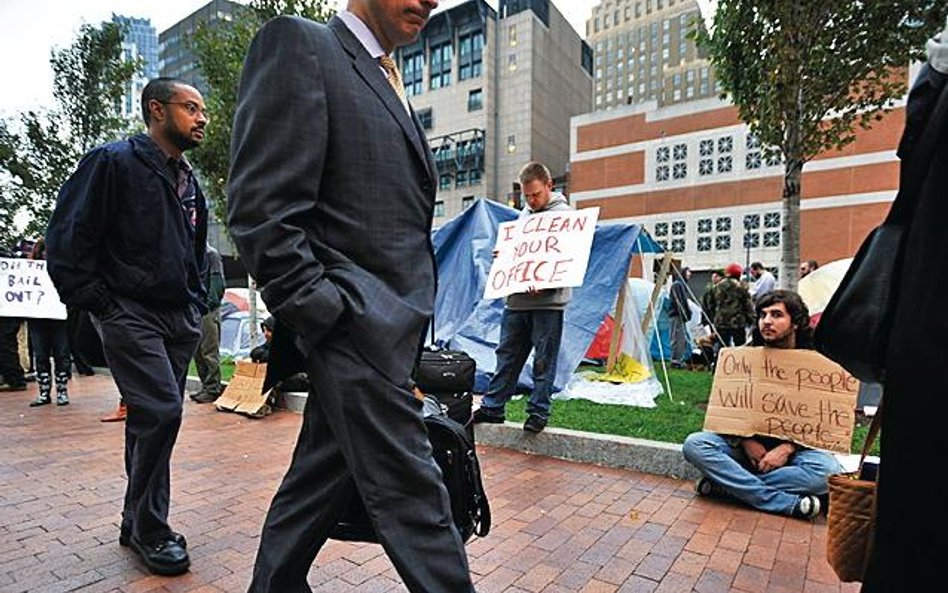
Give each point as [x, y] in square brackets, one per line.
[466, 321]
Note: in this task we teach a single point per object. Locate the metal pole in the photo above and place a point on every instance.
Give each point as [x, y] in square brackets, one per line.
[252, 299]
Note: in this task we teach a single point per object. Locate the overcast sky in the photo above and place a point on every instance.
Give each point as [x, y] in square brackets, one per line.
[30, 28]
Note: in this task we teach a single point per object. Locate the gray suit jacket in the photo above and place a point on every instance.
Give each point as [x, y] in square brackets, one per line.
[331, 193]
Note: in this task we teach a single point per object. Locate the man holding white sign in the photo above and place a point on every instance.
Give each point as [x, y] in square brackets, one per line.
[766, 472]
[532, 320]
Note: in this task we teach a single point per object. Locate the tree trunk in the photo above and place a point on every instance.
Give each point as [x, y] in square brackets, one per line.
[790, 240]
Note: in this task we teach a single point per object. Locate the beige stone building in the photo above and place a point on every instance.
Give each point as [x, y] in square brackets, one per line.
[643, 53]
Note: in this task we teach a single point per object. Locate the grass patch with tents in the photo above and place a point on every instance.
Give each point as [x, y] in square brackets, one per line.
[670, 421]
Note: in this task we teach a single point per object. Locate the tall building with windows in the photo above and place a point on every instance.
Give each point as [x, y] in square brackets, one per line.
[494, 90]
[177, 59]
[141, 41]
[643, 53]
[696, 178]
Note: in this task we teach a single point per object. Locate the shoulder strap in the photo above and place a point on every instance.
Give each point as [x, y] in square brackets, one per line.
[918, 162]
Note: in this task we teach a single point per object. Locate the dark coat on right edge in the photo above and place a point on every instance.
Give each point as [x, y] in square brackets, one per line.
[909, 540]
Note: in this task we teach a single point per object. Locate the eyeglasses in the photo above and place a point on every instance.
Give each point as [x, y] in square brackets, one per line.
[190, 106]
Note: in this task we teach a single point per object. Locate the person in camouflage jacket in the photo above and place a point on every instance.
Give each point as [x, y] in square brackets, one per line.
[733, 309]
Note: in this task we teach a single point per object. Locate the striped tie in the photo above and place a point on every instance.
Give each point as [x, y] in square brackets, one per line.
[394, 78]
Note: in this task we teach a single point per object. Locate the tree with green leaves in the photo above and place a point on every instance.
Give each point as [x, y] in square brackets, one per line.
[220, 49]
[38, 149]
[804, 74]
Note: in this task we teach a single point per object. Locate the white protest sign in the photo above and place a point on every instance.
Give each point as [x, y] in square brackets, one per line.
[27, 291]
[794, 395]
[545, 250]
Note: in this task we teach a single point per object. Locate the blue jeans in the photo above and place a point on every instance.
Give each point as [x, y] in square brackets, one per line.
[521, 332]
[722, 459]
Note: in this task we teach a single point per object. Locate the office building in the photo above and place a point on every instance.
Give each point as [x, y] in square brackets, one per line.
[177, 59]
[141, 41]
[643, 53]
[699, 182]
[494, 90]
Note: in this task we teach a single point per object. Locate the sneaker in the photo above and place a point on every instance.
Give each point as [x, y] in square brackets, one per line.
[481, 416]
[534, 424]
[204, 397]
[808, 507]
[705, 486]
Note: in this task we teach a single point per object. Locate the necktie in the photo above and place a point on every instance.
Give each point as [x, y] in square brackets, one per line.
[394, 78]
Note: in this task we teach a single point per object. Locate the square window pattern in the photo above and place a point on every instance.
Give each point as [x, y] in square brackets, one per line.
[705, 167]
[725, 144]
[678, 227]
[661, 174]
[704, 225]
[752, 160]
[663, 243]
[661, 229]
[751, 240]
[723, 224]
[681, 152]
[706, 147]
[752, 221]
[722, 242]
[772, 220]
[439, 208]
[662, 155]
[771, 239]
[725, 164]
[704, 243]
[678, 245]
[680, 171]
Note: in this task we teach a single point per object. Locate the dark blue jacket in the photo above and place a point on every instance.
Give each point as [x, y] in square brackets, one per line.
[120, 229]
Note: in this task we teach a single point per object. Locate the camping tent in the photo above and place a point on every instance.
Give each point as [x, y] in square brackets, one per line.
[465, 321]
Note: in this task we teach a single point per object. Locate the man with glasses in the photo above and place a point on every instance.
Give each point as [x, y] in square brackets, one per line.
[127, 243]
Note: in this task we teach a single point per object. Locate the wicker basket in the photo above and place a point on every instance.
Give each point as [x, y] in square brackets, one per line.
[851, 522]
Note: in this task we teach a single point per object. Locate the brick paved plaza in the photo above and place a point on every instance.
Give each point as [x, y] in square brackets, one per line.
[558, 526]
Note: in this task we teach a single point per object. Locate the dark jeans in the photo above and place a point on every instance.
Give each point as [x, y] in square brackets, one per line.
[9, 354]
[49, 339]
[148, 351]
[521, 332]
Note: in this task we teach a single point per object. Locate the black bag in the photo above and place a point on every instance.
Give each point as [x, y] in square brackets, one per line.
[453, 451]
[458, 406]
[854, 328]
[445, 371]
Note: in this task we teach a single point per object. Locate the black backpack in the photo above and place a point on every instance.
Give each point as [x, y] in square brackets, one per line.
[453, 451]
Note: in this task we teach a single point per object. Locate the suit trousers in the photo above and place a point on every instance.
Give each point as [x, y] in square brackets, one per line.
[362, 435]
[148, 351]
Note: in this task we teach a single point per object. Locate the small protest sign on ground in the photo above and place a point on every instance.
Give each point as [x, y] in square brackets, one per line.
[244, 393]
[27, 291]
[795, 395]
[545, 250]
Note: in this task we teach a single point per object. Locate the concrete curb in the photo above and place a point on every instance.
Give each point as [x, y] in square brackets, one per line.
[618, 452]
[651, 457]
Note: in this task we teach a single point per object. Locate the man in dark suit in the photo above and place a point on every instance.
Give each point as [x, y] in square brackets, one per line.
[331, 196]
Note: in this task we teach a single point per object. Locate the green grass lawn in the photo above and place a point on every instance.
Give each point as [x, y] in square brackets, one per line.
[227, 368]
[671, 421]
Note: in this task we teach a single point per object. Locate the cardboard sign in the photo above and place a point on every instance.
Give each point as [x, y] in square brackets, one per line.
[244, 393]
[546, 250]
[794, 395]
[27, 291]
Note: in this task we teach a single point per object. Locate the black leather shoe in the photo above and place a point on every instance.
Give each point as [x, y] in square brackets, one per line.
[534, 424]
[164, 556]
[125, 538]
[483, 416]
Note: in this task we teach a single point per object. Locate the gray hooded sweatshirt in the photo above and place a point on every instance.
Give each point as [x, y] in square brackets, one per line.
[550, 298]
